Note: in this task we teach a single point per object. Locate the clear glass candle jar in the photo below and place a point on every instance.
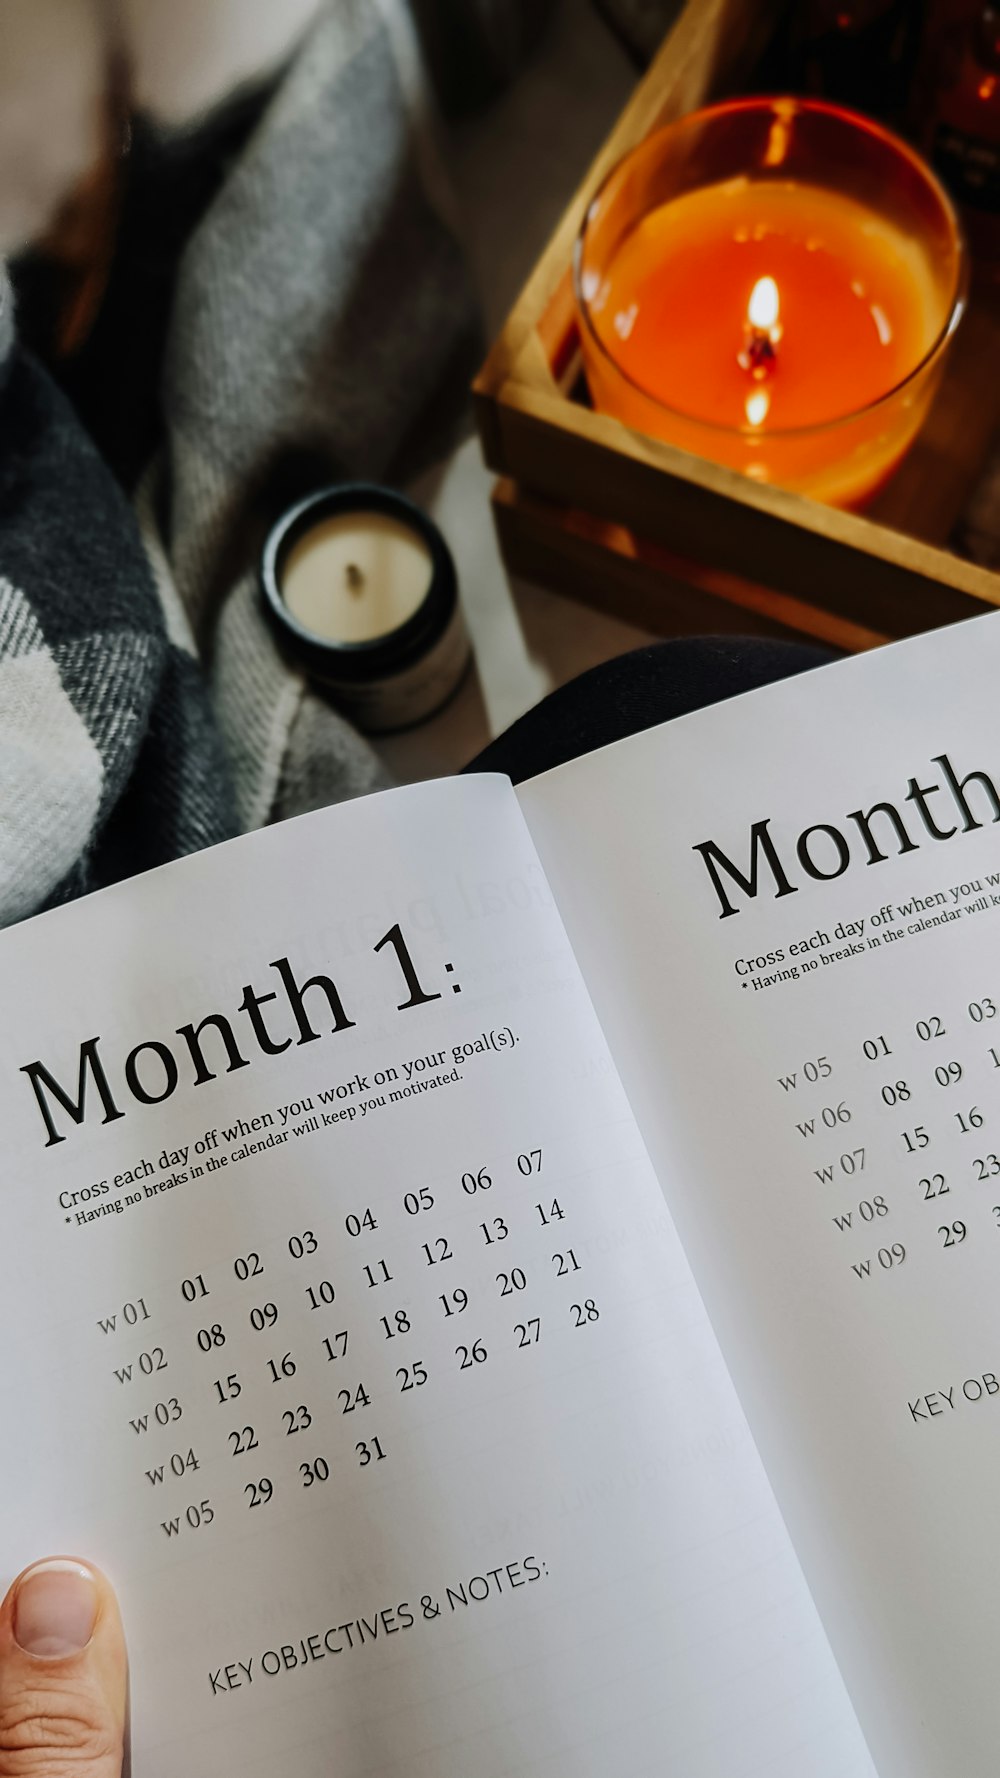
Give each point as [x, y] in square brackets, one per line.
[772, 283]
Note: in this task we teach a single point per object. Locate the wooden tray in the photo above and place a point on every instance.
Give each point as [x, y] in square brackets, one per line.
[672, 541]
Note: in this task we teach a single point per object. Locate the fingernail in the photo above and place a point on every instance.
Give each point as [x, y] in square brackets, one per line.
[55, 1610]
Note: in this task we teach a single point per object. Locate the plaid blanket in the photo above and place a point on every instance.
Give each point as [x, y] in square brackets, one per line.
[110, 760]
[304, 332]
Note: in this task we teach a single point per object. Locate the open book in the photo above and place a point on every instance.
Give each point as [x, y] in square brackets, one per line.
[506, 1283]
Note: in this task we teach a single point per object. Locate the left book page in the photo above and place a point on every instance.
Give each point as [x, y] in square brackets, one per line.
[344, 1325]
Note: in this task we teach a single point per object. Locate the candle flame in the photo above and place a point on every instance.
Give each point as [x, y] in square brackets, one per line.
[757, 405]
[764, 305]
[762, 331]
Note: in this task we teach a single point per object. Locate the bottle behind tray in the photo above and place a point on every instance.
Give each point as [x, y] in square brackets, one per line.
[861, 53]
[961, 133]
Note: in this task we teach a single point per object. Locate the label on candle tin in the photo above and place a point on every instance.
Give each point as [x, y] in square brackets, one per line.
[399, 700]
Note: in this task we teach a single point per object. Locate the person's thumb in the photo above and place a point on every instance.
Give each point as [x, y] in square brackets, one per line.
[63, 1675]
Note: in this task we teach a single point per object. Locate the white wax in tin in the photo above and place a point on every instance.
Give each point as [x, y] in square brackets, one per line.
[356, 576]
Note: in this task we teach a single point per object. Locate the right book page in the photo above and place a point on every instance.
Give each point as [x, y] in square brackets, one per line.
[787, 911]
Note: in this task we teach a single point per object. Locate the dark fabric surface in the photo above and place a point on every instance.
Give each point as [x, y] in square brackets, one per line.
[637, 691]
[110, 760]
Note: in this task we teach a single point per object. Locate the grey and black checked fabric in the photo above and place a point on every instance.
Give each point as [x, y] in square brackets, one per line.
[109, 757]
[319, 306]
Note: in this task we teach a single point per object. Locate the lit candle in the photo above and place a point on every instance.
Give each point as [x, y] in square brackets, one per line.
[361, 587]
[777, 323]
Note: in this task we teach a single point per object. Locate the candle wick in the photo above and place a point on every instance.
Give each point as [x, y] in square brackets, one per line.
[354, 577]
[762, 330]
[759, 355]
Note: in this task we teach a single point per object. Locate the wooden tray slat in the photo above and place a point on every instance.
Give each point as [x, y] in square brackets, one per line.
[875, 577]
[606, 565]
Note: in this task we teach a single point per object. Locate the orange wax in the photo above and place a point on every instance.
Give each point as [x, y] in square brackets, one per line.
[761, 322]
[855, 304]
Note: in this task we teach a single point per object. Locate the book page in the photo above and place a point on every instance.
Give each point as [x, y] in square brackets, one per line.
[787, 910]
[346, 1327]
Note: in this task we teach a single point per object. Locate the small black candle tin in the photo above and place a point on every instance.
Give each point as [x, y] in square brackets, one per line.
[393, 680]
